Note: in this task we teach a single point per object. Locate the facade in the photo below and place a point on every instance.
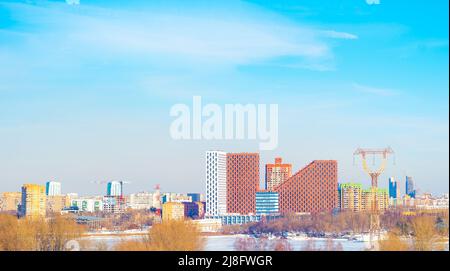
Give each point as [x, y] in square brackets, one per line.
[237, 219]
[195, 197]
[193, 210]
[92, 222]
[113, 204]
[407, 201]
[56, 203]
[277, 173]
[157, 198]
[140, 201]
[175, 197]
[267, 203]
[394, 188]
[427, 202]
[216, 182]
[172, 211]
[10, 201]
[242, 182]
[410, 191]
[89, 204]
[53, 188]
[368, 198]
[313, 189]
[350, 197]
[114, 188]
[33, 201]
[208, 225]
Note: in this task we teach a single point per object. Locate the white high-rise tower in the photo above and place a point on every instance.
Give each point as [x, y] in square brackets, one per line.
[216, 183]
[53, 188]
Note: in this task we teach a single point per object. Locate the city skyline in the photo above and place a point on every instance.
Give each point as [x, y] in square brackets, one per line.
[116, 188]
[85, 89]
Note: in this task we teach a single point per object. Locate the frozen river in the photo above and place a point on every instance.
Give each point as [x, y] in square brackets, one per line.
[225, 242]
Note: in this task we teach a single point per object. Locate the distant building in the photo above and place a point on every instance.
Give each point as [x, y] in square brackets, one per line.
[10, 201]
[242, 182]
[194, 196]
[410, 191]
[237, 219]
[114, 188]
[91, 204]
[267, 203]
[370, 195]
[175, 197]
[157, 198]
[208, 225]
[216, 182]
[140, 201]
[53, 188]
[277, 173]
[172, 211]
[57, 203]
[393, 188]
[350, 197]
[33, 201]
[194, 210]
[313, 189]
[408, 201]
[92, 222]
[113, 204]
[426, 201]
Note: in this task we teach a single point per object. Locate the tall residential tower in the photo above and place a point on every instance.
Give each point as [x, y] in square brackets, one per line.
[53, 188]
[33, 201]
[216, 183]
[277, 173]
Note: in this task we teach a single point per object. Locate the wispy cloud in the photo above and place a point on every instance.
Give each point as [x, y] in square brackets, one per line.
[374, 90]
[167, 36]
[339, 35]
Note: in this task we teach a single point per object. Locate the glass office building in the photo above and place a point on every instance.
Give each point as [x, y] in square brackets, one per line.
[266, 203]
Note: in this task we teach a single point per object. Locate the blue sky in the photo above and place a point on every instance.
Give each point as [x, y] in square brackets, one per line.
[86, 86]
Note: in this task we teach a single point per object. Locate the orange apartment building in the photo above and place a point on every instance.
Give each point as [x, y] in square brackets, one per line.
[277, 174]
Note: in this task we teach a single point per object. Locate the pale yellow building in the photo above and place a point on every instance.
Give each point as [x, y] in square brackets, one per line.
[33, 200]
[172, 211]
[9, 201]
[382, 199]
[350, 197]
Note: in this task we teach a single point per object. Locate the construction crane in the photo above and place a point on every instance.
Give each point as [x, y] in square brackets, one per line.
[374, 174]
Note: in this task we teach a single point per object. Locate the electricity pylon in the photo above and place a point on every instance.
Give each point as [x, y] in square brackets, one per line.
[374, 174]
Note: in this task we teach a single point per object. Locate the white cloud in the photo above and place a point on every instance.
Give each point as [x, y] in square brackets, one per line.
[190, 38]
[373, 2]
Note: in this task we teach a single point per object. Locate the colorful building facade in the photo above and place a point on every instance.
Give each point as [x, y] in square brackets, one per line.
[369, 196]
[33, 201]
[172, 211]
[350, 197]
